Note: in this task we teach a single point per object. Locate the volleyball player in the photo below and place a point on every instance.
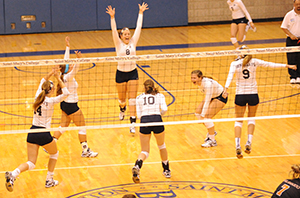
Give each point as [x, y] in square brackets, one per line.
[150, 105]
[43, 109]
[127, 74]
[69, 107]
[289, 188]
[246, 94]
[240, 24]
[210, 106]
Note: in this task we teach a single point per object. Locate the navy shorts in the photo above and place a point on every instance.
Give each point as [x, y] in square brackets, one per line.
[221, 98]
[149, 129]
[240, 20]
[41, 138]
[69, 108]
[122, 77]
[250, 99]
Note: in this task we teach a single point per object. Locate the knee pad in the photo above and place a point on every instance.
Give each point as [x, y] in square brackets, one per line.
[238, 124]
[209, 125]
[30, 165]
[61, 131]
[82, 132]
[233, 40]
[163, 146]
[131, 102]
[251, 122]
[54, 156]
[198, 116]
[145, 153]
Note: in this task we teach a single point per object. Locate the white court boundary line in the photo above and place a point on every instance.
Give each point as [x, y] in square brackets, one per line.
[149, 124]
[173, 161]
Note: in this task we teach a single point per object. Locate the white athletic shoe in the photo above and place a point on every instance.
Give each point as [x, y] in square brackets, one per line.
[132, 129]
[298, 80]
[293, 81]
[136, 174]
[239, 154]
[207, 138]
[122, 115]
[167, 173]
[51, 183]
[209, 143]
[89, 153]
[9, 183]
[248, 148]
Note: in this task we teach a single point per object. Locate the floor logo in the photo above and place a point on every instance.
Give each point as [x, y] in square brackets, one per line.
[182, 189]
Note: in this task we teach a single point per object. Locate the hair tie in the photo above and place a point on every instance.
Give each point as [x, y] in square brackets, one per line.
[67, 68]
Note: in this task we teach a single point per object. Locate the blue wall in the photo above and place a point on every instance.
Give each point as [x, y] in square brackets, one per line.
[1, 17]
[14, 9]
[78, 15]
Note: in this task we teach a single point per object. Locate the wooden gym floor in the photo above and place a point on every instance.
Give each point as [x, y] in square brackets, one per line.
[196, 172]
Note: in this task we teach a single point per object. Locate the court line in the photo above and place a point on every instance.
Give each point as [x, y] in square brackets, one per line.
[172, 161]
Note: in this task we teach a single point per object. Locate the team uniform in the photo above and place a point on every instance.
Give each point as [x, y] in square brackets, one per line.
[43, 115]
[246, 85]
[69, 105]
[149, 108]
[212, 90]
[126, 70]
[289, 188]
[291, 22]
[239, 12]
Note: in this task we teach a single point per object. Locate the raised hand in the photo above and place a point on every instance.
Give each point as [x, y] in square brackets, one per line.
[143, 7]
[67, 39]
[110, 11]
[78, 54]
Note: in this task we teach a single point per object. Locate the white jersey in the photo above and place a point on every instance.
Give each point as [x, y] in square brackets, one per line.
[211, 89]
[126, 50]
[70, 82]
[148, 104]
[246, 77]
[43, 116]
[238, 10]
[291, 21]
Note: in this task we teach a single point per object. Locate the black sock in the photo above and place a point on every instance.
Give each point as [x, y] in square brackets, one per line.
[165, 167]
[132, 119]
[139, 162]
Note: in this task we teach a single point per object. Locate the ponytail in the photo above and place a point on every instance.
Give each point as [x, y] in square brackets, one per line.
[62, 70]
[149, 87]
[46, 88]
[246, 60]
[39, 100]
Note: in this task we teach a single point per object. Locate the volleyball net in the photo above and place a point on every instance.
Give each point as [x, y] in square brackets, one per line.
[98, 98]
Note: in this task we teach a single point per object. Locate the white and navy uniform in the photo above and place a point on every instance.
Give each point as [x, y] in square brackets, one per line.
[287, 189]
[43, 115]
[246, 85]
[126, 70]
[69, 105]
[149, 108]
[239, 12]
[291, 22]
[212, 90]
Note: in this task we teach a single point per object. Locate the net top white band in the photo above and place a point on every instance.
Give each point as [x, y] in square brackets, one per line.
[149, 57]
